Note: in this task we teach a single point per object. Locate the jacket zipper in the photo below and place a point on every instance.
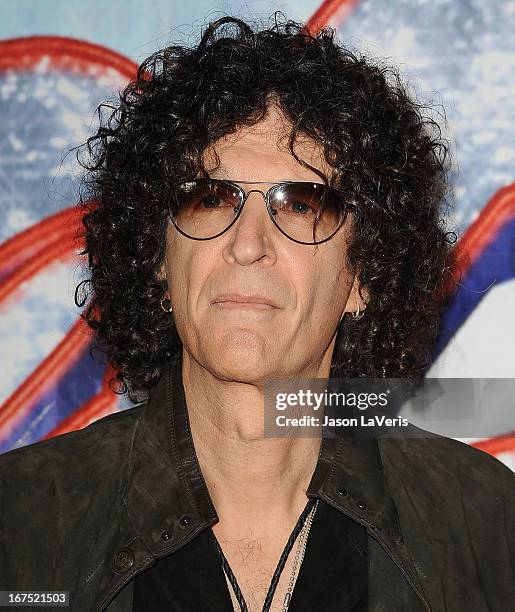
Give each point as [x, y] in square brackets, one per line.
[385, 546]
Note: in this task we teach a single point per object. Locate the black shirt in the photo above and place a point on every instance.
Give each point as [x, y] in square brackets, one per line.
[332, 576]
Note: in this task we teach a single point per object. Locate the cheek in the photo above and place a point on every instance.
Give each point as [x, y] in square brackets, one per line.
[317, 277]
[179, 267]
[188, 272]
[332, 283]
[183, 275]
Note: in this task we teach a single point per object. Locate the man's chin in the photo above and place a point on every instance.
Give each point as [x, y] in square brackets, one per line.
[240, 367]
[242, 362]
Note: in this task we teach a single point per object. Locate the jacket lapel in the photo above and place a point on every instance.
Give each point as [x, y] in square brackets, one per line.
[350, 476]
[162, 500]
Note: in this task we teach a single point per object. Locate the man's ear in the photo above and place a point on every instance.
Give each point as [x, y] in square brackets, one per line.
[365, 298]
[161, 274]
[360, 298]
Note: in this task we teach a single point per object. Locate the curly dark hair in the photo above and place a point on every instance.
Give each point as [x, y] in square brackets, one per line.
[388, 157]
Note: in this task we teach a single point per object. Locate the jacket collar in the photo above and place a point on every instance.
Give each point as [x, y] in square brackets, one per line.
[167, 502]
[349, 473]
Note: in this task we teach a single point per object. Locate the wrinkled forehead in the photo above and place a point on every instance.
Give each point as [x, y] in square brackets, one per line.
[261, 152]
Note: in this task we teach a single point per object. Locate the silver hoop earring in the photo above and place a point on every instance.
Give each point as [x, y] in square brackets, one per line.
[166, 304]
[356, 315]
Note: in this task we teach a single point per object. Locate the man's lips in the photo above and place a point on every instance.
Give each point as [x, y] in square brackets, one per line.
[244, 301]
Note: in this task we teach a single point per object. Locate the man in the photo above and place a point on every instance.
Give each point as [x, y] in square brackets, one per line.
[182, 503]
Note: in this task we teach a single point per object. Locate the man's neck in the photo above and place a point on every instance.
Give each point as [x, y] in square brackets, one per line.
[248, 475]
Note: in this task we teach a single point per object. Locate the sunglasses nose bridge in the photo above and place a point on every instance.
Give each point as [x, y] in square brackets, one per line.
[246, 195]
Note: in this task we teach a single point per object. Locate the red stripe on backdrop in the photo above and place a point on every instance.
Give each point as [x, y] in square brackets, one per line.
[479, 234]
[35, 238]
[41, 380]
[497, 445]
[60, 249]
[62, 53]
[338, 9]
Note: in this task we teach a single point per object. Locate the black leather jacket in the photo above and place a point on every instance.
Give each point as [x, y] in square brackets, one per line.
[88, 510]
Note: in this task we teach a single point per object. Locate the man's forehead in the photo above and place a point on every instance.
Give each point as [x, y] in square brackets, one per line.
[274, 129]
[274, 147]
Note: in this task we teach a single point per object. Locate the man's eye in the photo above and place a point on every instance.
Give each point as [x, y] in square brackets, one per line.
[301, 208]
[210, 202]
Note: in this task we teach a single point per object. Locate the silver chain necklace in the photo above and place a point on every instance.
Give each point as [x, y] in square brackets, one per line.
[299, 555]
[303, 532]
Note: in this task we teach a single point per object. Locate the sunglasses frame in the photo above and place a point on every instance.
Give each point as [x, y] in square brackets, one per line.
[266, 196]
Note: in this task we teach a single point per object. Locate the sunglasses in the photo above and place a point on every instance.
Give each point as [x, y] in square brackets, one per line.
[305, 212]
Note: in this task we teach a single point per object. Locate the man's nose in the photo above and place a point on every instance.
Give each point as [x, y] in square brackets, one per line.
[251, 238]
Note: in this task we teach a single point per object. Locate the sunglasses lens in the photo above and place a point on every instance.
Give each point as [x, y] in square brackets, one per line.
[306, 212]
[205, 207]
